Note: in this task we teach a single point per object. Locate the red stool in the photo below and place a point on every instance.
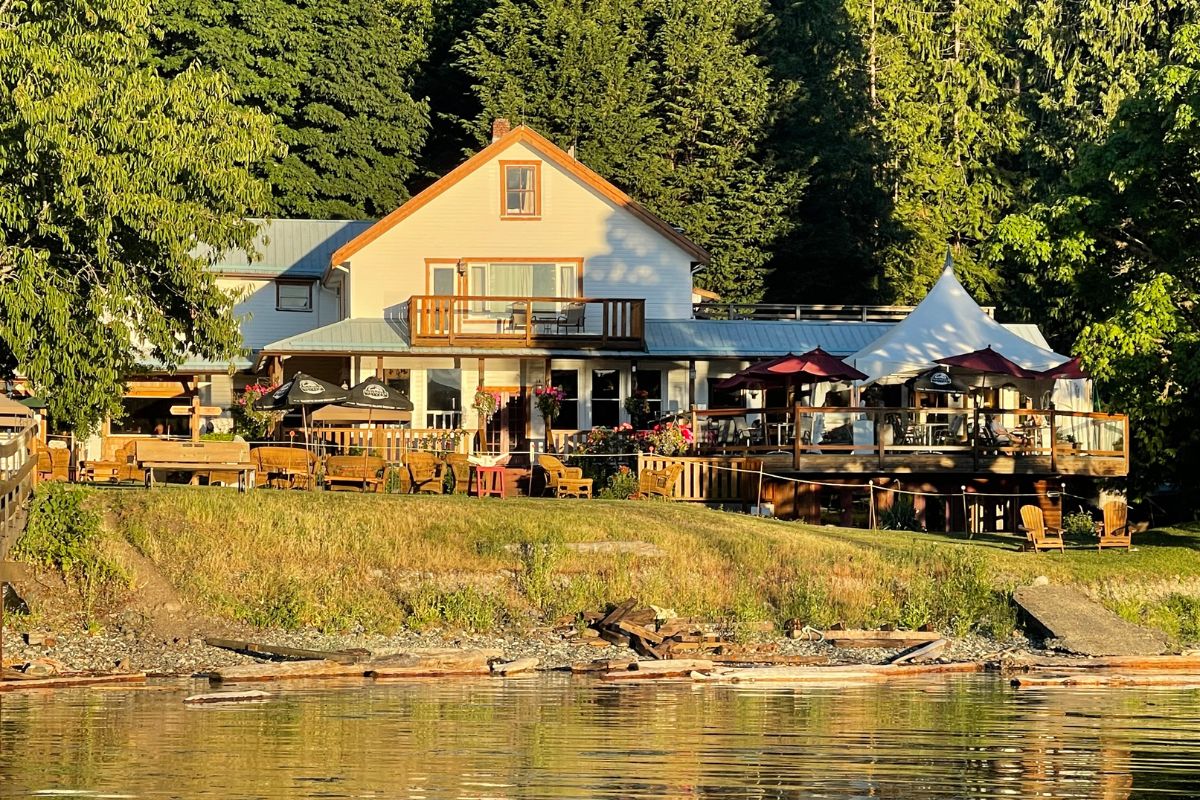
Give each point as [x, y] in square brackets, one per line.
[490, 481]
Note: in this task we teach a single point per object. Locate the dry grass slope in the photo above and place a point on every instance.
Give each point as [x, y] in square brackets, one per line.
[341, 561]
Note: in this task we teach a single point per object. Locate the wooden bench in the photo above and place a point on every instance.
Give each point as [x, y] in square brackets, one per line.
[362, 473]
[196, 457]
[284, 467]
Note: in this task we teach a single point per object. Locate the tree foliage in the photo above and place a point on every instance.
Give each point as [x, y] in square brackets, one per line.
[666, 99]
[336, 74]
[1119, 242]
[109, 177]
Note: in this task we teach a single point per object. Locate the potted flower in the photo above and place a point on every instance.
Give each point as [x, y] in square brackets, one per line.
[486, 403]
[548, 401]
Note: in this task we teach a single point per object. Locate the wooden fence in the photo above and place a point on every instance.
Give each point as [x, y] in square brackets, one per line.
[18, 475]
[709, 480]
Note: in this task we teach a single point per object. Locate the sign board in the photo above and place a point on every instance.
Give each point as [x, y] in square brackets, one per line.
[203, 411]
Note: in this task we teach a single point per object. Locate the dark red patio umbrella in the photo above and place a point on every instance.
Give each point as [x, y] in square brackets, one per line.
[812, 367]
[1069, 370]
[990, 362]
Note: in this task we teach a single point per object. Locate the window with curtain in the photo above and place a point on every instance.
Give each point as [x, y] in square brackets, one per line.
[545, 279]
[522, 190]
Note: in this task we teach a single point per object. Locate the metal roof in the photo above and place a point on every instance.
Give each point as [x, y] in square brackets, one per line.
[685, 338]
[291, 248]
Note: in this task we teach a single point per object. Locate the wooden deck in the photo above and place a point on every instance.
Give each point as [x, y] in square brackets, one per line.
[543, 322]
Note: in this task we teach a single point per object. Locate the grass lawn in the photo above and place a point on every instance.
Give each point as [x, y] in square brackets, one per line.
[340, 561]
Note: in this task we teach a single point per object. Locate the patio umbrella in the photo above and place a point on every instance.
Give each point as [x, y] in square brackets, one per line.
[375, 395]
[1068, 370]
[301, 392]
[988, 362]
[814, 366]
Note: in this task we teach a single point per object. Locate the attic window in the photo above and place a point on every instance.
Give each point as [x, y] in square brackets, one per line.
[521, 189]
[293, 295]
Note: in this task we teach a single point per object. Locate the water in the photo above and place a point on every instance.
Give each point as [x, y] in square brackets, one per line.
[563, 737]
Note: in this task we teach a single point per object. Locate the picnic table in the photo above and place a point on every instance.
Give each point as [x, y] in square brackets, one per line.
[154, 455]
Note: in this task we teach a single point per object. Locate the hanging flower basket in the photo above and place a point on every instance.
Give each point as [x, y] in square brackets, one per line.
[486, 403]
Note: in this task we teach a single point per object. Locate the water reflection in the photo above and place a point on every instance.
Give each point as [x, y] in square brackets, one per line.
[559, 737]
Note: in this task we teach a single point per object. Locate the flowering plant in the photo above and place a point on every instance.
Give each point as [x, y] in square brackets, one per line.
[486, 403]
[549, 401]
[253, 423]
[669, 439]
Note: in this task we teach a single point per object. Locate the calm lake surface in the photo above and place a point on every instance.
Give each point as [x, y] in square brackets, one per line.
[563, 737]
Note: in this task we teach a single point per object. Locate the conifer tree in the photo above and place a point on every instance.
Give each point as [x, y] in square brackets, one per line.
[336, 74]
[666, 99]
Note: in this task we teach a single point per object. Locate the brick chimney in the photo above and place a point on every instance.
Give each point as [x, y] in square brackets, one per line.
[500, 128]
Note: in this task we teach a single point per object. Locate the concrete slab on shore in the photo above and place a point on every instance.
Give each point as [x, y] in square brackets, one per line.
[1082, 626]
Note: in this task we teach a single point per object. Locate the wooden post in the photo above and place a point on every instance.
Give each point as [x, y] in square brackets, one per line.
[695, 431]
[379, 368]
[692, 390]
[196, 414]
[1054, 442]
[482, 423]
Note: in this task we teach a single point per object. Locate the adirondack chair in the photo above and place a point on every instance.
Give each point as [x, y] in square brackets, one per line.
[659, 482]
[1040, 537]
[564, 481]
[460, 466]
[1114, 531]
[426, 472]
[53, 463]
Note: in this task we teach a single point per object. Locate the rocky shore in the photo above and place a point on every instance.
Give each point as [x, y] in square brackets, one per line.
[123, 651]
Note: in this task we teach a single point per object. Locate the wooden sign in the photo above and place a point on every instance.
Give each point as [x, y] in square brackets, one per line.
[204, 411]
[196, 412]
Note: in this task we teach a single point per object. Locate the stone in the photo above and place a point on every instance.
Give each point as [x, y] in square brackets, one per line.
[514, 667]
[1082, 626]
[39, 639]
[1041, 580]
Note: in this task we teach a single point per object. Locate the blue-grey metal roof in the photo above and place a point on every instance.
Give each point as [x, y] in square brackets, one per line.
[684, 338]
[198, 366]
[292, 248]
[713, 338]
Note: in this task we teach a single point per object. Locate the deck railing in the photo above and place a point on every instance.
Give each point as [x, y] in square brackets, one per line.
[773, 311]
[836, 439]
[390, 443]
[18, 474]
[566, 322]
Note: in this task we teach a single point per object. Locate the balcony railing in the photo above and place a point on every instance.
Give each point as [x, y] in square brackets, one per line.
[824, 313]
[925, 440]
[563, 322]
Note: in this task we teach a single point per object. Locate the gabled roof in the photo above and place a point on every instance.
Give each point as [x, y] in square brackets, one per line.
[290, 248]
[946, 323]
[552, 153]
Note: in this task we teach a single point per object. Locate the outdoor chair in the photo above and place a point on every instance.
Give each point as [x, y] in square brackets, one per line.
[426, 472]
[120, 468]
[354, 473]
[1114, 530]
[571, 318]
[659, 482]
[460, 467]
[283, 467]
[1039, 536]
[564, 481]
[53, 463]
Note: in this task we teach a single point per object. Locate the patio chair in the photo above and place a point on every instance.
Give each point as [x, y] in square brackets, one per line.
[120, 468]
[1114, 530]
[659, 482]
[426, 472]
[460, 467]
[53, 463]
[564, 481]
[571, 318]
[1039, 536]
[283, 467]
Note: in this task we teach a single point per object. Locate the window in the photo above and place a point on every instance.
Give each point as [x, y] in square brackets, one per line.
[606, 398]
[650, 382]
[521, 189]
[503, 279]
[724, 398]
[568, 412]
[443, 279]
[293, 296]
[443, 398]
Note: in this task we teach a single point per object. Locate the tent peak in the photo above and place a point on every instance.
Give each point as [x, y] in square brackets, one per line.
[949, 265]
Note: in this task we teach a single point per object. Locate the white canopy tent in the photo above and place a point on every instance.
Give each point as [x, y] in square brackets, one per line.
[946, 323]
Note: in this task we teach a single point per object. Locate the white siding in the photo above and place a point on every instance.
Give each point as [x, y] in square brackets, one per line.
[623, 256]
[265, 323]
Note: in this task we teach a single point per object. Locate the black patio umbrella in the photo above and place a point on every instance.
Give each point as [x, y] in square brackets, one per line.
[303, 391]
[376, 395]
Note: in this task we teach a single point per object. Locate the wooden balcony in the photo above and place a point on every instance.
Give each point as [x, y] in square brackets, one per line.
[541, 322]
[829, 440]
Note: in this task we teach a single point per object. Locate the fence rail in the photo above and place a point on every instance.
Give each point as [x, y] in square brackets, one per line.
[18, 476]
[708, 480]
[487, 321]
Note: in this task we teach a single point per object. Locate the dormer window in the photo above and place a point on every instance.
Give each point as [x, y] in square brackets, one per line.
[521, 189]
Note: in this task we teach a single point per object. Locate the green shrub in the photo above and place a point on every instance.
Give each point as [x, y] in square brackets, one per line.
[536, 579]
[1079, 525]
[64, 534]
[621, 486]
[902, 516]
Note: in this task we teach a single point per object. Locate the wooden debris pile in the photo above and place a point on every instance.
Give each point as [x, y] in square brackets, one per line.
[638, 628]
[704, 670]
